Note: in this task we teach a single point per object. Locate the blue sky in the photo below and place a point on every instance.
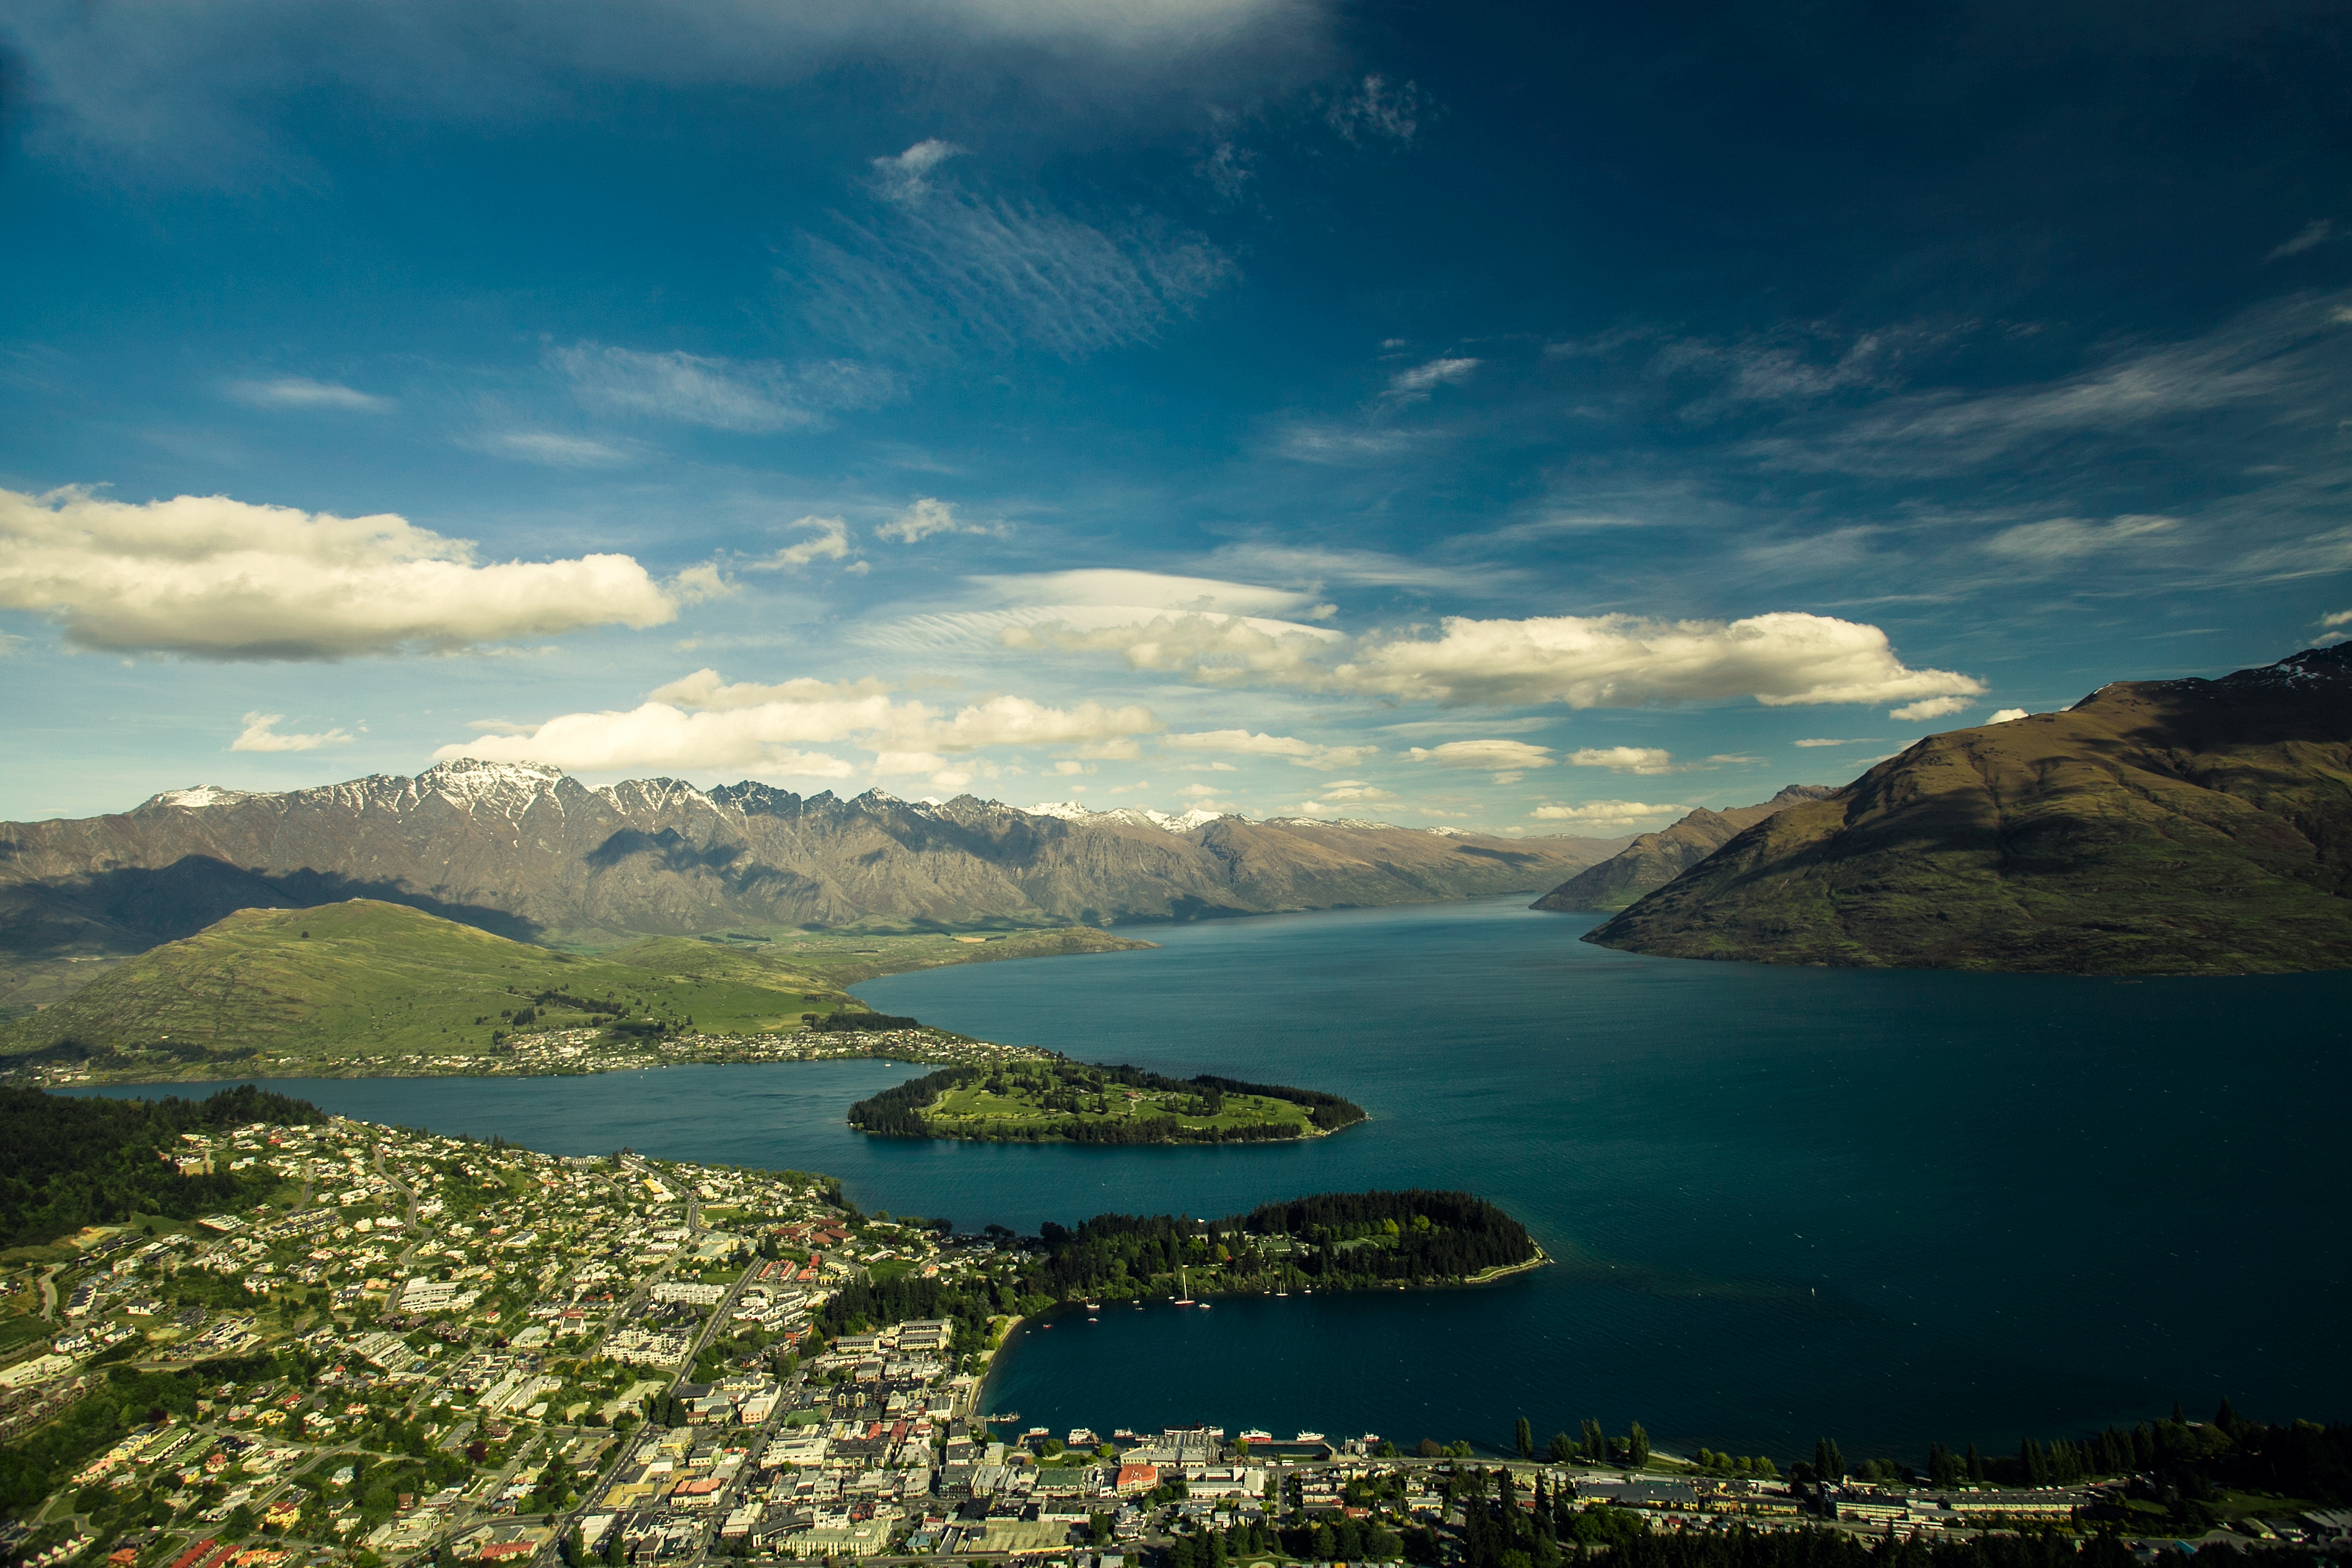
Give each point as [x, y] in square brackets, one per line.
[1535, 418]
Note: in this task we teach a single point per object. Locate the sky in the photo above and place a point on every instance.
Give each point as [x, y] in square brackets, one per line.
[1535, 418]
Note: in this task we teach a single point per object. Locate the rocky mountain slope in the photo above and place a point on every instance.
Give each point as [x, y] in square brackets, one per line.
[2156, 827]
[1655, 859]
[530, 853]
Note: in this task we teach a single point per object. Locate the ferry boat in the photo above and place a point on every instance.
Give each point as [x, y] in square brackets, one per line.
[1309, 1437]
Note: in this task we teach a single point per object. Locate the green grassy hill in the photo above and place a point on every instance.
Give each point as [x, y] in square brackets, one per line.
[346, 983]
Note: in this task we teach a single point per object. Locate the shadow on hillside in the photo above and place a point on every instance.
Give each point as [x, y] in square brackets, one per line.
[134, 908]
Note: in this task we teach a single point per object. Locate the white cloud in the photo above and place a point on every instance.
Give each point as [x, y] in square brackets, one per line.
[1307, 441]
[723, 395]
[908, 176]
[1931, 708]
[1417, 384]
[1338, 796]
[2337, 618]
[828, 540]
[701, 584]
[1374, 110]
[1121, 749]
[1242, 743]
[1067, 768]
[929, 517]
[1782, 659]
[2007, 716]
[702, 722]
[551, 449]
[1508, 760]
[2069, 539]
[1317, 565]
[2314, 232]
[260, 734]
[1644, 759]
[212, 578]
[1615, 815]
[1853, 740]
[298, 392]
[1122, 590]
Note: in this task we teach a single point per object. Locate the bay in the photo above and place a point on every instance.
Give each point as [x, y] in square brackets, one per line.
[1890, 1207]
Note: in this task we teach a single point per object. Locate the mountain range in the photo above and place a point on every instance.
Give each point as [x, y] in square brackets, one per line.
[2155, 827]
[530, 853]
[1655, 859]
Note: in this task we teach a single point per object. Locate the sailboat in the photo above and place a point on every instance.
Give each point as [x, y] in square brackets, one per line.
[1184, 1289]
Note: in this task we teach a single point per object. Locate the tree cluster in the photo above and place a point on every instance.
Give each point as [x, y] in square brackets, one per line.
[67, 1162]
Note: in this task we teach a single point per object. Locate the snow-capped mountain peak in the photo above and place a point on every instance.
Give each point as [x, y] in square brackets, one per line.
[196, 798]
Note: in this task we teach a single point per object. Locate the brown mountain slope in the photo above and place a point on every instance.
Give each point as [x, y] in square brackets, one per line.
[529, 854]
[2156, 827]
[1655, 859]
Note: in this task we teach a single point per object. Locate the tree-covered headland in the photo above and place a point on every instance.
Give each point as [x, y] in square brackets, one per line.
[1057, 1101]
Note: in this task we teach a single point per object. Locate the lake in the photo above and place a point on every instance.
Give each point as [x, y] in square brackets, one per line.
[1887, 1206]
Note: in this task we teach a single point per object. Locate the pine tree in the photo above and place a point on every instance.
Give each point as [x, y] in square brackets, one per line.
[1526, 1439]
[1637, 1443]
[1976, 1466]
[1562, 1450]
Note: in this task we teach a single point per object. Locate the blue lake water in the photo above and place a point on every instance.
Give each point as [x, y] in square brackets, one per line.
[1890, 1207]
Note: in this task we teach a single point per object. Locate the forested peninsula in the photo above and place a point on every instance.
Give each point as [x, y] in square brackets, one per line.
[1329, 1241]
[1049, 1099]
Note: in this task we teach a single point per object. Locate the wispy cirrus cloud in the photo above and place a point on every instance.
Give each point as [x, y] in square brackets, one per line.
[755, 395]
[935, 268]
[301, 392]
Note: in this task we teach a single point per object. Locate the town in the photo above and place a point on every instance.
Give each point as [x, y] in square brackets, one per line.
[433, 1350]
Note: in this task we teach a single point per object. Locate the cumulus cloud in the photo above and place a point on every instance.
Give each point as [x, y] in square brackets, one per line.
[701, 721]
[2007, 716]
[1417, 384]
[722, 394]
[2063, 539]
[211, 577]
[1508, 760]
[260, 734]
[1782, 659]
[1618, 815]
[1338, 796]
[299, 392]
[1623, 758]
[828, 539]
[2337, 618]
[1931, 708]
[1242, 743]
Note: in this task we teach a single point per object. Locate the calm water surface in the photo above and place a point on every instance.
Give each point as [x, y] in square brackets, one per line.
[1889, 1206]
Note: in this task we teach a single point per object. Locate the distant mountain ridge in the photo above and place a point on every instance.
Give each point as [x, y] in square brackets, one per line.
[2155, 827]
[1655, 859]
[530, 853]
